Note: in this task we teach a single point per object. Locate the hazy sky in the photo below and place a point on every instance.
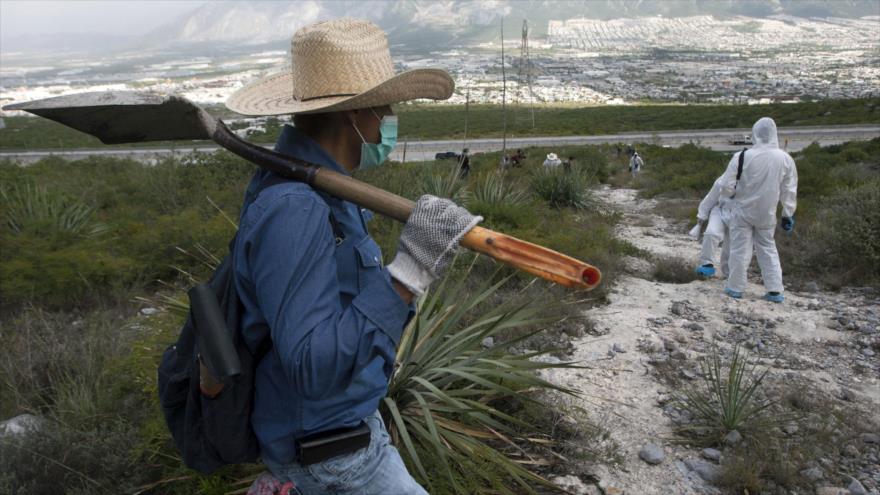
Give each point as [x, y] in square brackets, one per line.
[93, 16]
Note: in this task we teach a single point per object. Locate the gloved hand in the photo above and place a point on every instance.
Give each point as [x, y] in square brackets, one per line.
[697, 231]
[428, 242]
[787, 224]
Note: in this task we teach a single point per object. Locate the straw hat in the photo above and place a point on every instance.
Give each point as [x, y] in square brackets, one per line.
[338, 65]
[552, 156]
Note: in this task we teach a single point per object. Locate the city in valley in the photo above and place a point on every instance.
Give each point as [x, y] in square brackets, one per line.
[696, 59]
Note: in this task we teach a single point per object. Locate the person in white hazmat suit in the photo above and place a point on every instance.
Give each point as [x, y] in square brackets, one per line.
[635, 164]
[769, 176]
[714, 210]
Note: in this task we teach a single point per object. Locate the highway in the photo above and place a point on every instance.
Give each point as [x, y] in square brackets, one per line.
[790, 138]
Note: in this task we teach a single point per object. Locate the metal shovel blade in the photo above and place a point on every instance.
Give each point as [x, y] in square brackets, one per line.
[117, 117]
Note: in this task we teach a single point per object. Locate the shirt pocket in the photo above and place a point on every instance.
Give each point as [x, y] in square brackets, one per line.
[369, 262]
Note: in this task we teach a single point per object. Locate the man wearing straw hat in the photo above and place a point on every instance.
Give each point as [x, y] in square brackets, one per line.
[310, 276]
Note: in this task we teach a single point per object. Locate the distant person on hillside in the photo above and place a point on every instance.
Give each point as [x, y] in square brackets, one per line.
[768, 177]
[519, 157]
[465, 168]
[552, 161]
[506, 161]
[635, 164]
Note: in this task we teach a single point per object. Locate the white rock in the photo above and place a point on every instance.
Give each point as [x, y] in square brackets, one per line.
[573, 484]
[20, 425]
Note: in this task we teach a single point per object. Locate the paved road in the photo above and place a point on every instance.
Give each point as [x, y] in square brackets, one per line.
[718, 139]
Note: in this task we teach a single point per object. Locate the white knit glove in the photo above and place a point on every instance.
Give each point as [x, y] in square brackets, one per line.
[428, 242]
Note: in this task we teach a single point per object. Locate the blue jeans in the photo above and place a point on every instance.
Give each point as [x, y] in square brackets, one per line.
[373, 470]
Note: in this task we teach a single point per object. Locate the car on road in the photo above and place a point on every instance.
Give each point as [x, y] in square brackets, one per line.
[446, 155]
[741, 139]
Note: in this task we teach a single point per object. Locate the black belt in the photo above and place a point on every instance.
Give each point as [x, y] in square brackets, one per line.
[334, 443]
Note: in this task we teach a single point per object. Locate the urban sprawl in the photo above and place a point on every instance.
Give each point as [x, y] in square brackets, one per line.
[622, 61]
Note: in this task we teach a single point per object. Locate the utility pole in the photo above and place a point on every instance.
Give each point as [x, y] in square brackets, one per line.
[503, 96]
[525, 67]
[467, 102]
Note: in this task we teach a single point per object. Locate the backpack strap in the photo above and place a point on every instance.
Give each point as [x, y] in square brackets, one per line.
[739, 170]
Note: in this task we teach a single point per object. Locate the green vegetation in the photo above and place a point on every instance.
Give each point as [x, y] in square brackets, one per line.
[421, 122]
[726, 399]
[450, 404]
[78, 233]
[447, 122]
[82, 241]
[560, 189]
[85, 244]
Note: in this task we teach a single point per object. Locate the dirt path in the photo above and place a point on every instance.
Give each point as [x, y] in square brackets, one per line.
[649, 323]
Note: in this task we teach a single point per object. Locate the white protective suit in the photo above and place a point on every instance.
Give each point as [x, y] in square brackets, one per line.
[715, 209]
[769, 177]
[635, 164]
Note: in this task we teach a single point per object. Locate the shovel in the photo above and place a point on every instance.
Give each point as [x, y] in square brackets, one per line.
[117, 117]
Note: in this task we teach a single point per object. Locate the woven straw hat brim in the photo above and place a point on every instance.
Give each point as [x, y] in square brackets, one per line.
[273, 95]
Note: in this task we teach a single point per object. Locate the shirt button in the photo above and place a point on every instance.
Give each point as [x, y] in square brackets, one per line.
[375, 259]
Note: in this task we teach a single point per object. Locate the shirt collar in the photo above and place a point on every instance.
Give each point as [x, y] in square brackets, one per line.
[295, 143]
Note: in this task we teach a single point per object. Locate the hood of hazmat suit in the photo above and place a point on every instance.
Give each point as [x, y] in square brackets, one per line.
[769, 177]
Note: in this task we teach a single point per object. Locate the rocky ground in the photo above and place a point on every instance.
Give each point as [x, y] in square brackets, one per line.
[820, 349]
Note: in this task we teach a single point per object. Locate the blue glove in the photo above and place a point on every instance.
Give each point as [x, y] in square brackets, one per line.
[787, 224]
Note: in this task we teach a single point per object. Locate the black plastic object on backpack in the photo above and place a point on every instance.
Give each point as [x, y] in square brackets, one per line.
[739, 170]
[211, 432]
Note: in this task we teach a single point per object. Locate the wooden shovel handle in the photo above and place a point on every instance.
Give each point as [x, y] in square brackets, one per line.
[526, 256]
[537, 260]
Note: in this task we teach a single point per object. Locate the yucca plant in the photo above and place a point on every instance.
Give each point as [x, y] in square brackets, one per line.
[492, 189]
[446, 400]
[444, 185]
[561, 189]
[27, 205]
[727, 397]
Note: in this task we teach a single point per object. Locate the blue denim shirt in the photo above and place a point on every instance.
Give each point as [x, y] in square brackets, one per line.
[331, 311]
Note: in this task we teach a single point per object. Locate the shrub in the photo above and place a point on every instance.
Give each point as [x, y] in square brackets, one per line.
[727, 399]
[33, 208]
[560, 189]
[674, 271]
[501, 202]
[848, 230]
[443, 185]
[446, 399]
[492, 189]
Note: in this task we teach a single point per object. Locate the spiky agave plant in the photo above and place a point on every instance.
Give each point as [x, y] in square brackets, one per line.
[31, 205]
[446, 184]
[492, 189]
[445, 402]
[727, 397]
